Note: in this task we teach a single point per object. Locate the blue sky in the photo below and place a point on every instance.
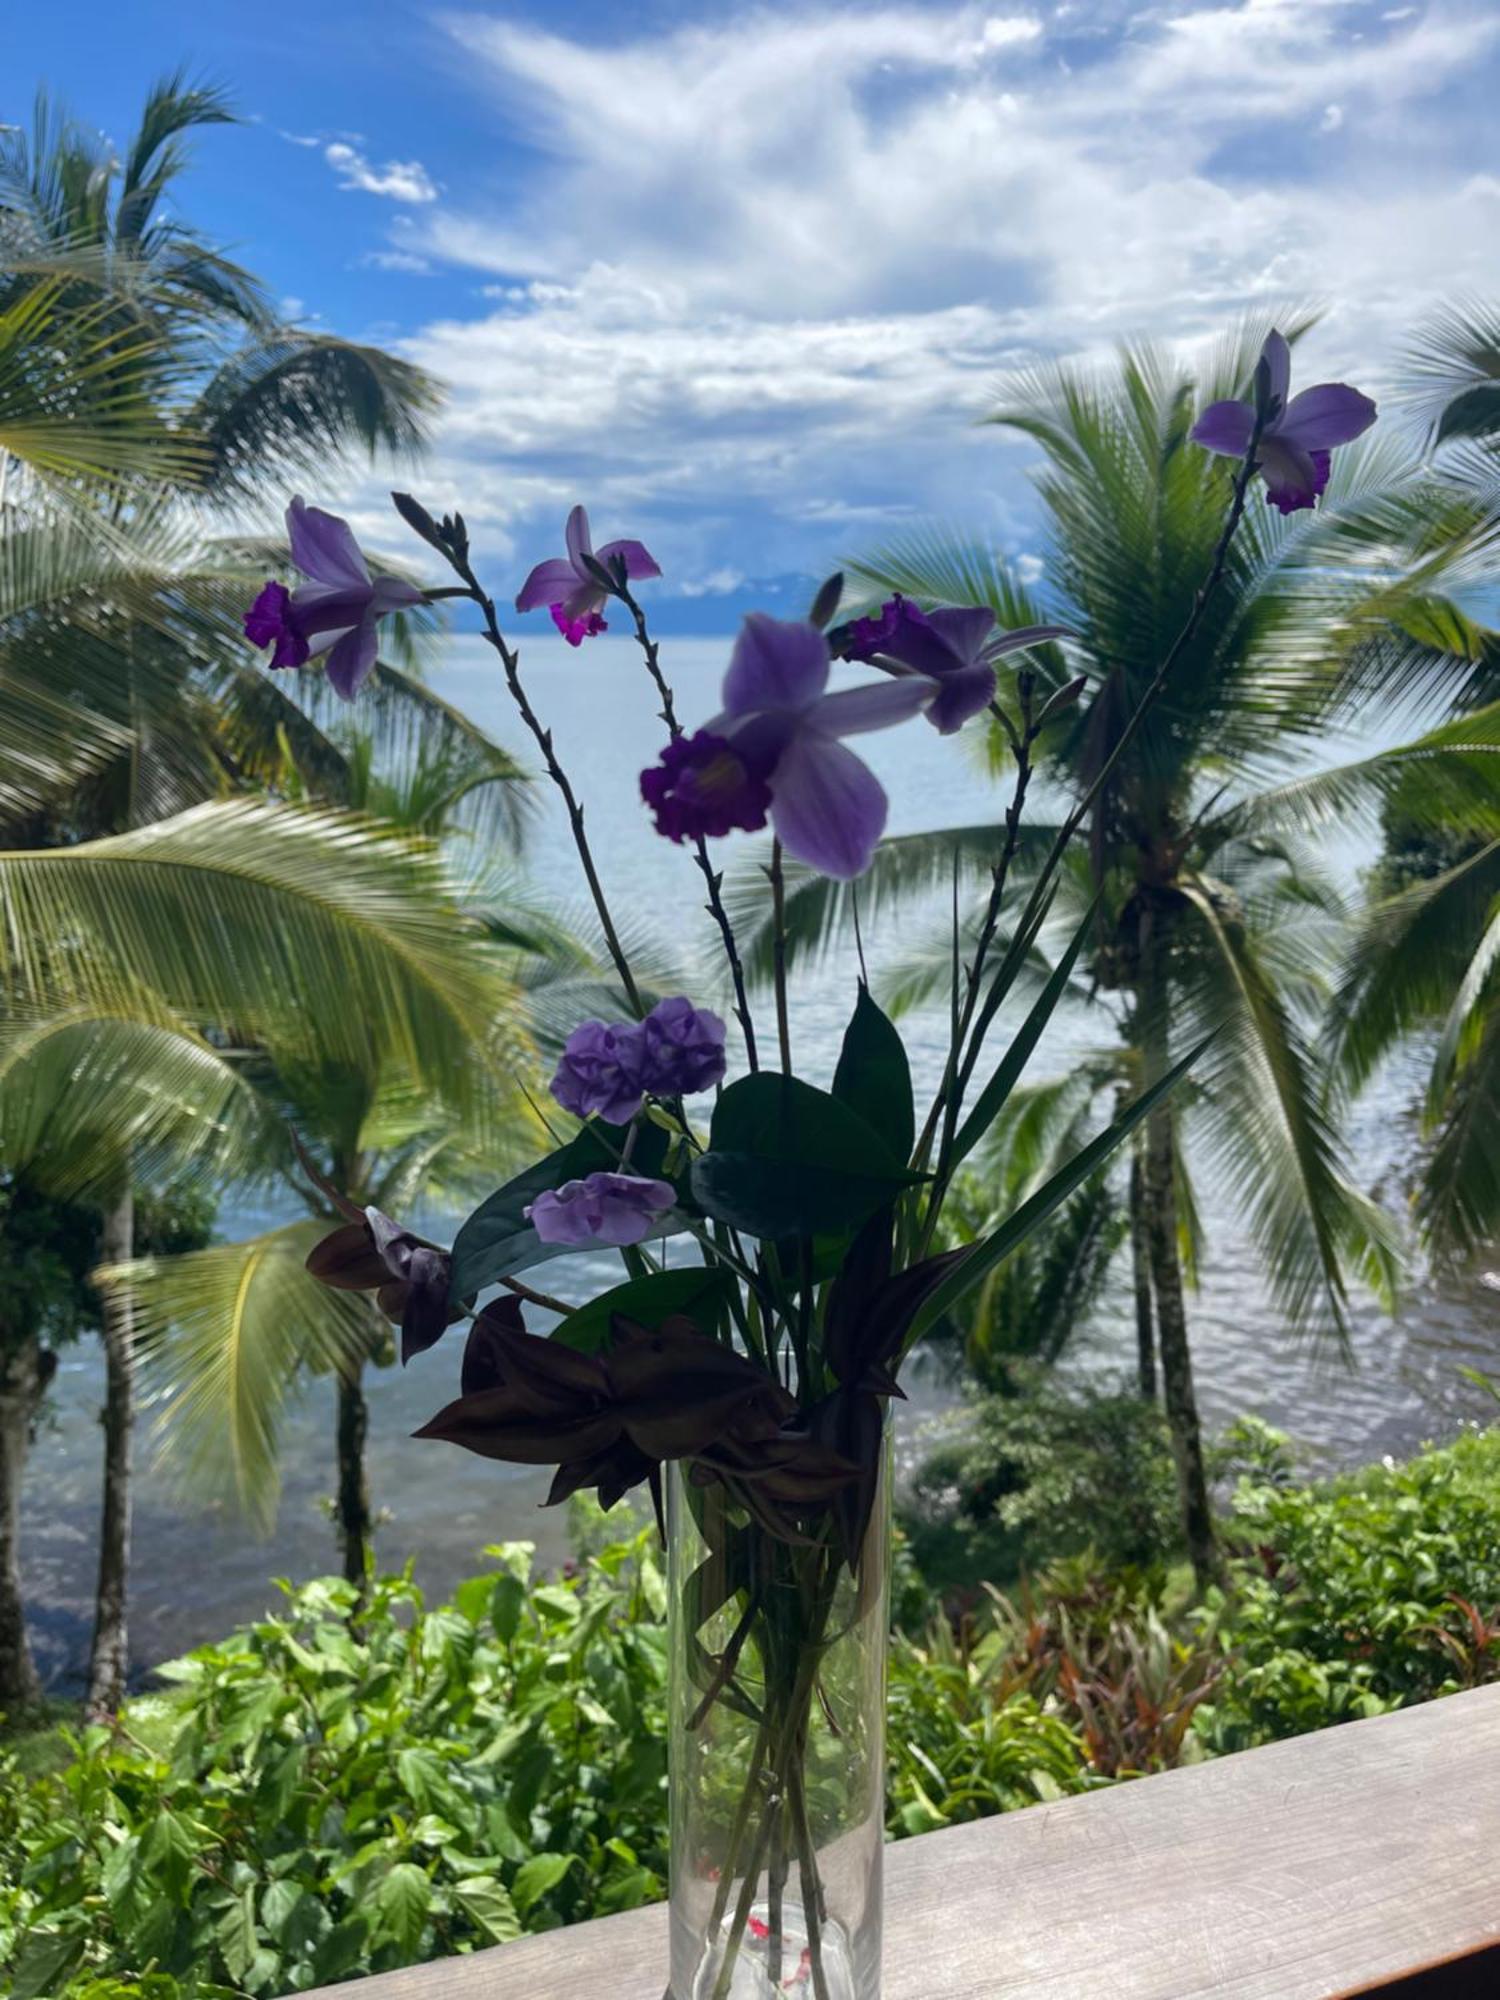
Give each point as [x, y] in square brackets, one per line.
[743, 277]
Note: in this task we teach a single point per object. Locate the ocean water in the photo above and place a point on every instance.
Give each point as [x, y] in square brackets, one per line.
[198, 1571]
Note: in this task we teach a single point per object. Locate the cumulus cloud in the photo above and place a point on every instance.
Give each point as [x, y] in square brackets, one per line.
[398, 180]
[767, 268]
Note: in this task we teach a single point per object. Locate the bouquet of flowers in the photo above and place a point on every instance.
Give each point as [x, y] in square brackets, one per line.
[746, 1382]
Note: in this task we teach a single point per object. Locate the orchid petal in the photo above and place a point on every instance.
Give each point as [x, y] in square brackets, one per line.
[639, 562]
[1319, 418]
[576, 536]
[961, 696]
[393, 593]
[324, 548]
[776, 663]
[549, 583]
[582, 599]
[1225, 428]
[1277, 355]
[352, 658]
[827, 806]
[1026, 635]
[878, 705]
[1294, 478]
[964, 627]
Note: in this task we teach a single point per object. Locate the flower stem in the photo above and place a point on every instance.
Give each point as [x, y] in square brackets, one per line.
[510, 660]
[812, 1886]
[712, 876]
[778, 918]
[977, 1026]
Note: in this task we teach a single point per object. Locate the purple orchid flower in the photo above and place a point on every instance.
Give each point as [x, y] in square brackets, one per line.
[614, 1209]
[775, 750]
[336, 611]
[1295, 451]
[682, 1049]
[956, 646]
[609, 1069]
[599, 1075]
[570, 589]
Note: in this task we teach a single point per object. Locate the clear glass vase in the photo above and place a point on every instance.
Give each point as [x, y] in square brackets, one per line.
[777, 1751]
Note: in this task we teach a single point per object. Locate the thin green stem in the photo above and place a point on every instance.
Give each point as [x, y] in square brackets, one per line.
[778, 919]
[953, 1092]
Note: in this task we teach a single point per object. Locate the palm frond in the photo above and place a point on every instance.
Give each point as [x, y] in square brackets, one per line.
[80, 1091]
[227, 1336]
[907, 869]
[1454, 365]
[1265, 1127]
[284, 404]
[317, 929]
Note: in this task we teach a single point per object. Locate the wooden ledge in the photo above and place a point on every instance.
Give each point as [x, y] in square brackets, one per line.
[1361, 1860]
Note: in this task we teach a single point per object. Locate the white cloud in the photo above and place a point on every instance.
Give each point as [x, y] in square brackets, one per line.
[399, 180]
[766, 270]
[399, 260]
[1003, 30]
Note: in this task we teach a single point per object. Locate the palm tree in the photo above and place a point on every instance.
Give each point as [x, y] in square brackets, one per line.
[1213, 910]
[307, 938]
[228, 1331]
[1426, 954]
[144, 384]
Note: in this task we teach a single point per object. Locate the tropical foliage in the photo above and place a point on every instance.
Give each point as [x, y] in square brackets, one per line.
[311, 1800]
[173, 953]
[1213, 909]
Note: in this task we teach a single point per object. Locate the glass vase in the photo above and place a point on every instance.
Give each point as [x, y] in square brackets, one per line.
[777, 1769]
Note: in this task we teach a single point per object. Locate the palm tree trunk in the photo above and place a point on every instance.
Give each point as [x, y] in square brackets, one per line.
[1140, 1272]
[1159, 1190]
[25, 1369]
[353, 1500]
[109, 1655]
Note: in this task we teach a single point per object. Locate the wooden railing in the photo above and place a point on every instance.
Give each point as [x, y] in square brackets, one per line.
[1362, 1860]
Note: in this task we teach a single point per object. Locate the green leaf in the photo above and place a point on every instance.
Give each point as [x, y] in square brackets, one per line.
[873, 1076]
[505, 1611]
[168, 1852]
[402, 1902]
[44, 1965]
[236, 1935]
[788, 1160]
[538, 1877]
[342, 1950]
[489, 1906]
[991, 1099]
[497, 1241]
[984, 1257]
[700, 1292]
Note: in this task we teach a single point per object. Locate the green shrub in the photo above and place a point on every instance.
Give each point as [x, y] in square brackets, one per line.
[1361, 1594]
[321, 1796]
[1058, 1471]
[965, 1742]
[319, 1799]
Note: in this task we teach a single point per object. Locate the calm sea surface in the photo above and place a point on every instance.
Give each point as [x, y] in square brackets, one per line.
[197, 1572]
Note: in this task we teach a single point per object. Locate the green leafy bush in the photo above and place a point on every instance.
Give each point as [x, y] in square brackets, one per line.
[326, 1795]
[1062, 1470]
[321, 1799]
[1361, 1594]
